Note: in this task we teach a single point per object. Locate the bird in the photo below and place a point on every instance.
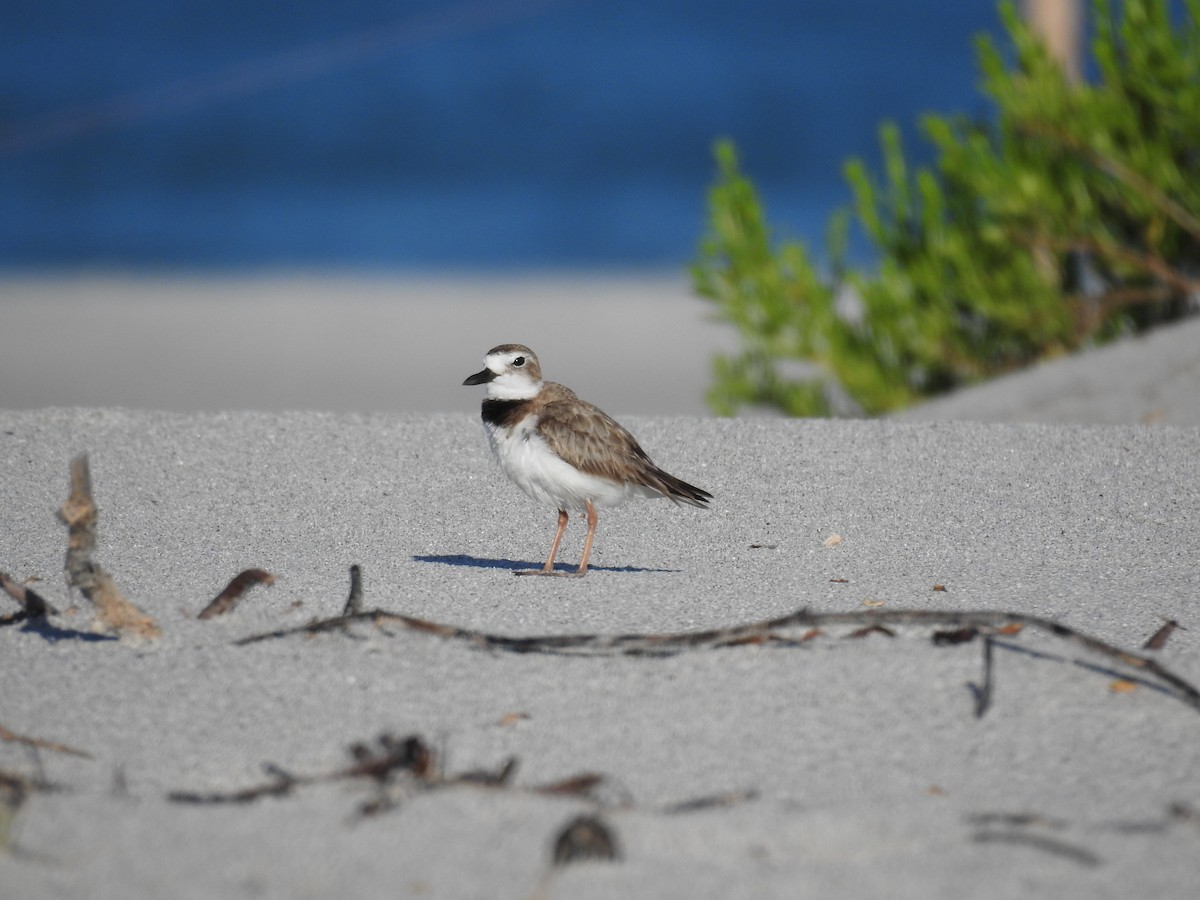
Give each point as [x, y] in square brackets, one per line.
[564, 451]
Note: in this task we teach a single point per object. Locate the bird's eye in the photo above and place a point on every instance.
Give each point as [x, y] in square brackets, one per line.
[519, 361]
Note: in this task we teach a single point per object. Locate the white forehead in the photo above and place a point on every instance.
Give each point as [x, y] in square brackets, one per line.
[500, 360]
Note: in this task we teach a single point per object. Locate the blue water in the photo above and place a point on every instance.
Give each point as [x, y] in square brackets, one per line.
[364, 133]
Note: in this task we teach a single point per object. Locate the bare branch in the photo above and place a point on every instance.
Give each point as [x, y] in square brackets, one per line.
[80, 515]
[793, 629]
[6, 735]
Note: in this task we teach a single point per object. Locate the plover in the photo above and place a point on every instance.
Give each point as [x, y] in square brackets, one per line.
[565, 451]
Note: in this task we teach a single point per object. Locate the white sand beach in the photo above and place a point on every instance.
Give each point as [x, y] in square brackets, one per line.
[795, 763]
[818, 766]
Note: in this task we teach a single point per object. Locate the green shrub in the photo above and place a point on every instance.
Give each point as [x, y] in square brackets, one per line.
[1070, 217]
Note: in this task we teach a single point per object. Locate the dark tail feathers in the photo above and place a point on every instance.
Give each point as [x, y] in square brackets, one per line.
[679, 491]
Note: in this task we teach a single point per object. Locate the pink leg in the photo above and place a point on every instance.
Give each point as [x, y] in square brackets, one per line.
[562, 526]
[592, 518]
[548, 568]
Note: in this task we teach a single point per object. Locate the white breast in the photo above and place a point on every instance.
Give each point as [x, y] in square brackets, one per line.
[545, 477]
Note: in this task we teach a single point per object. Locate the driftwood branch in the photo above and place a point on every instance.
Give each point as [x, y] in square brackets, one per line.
[793, 629]
[80, 515]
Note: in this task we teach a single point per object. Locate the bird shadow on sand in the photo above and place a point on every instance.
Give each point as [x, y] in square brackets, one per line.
[478, 562]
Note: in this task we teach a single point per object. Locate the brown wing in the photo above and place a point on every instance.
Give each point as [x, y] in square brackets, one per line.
[591, 440]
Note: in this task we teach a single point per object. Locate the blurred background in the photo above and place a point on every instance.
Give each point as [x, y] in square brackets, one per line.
[321, 205]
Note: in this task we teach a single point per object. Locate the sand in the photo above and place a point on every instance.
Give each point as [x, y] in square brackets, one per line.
[844, 767]
[860, 764]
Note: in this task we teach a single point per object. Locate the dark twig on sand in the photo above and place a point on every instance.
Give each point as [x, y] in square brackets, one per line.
[868, 630]
[379, 764]
[713, 801]
[280, 785]
[793, 629]
[408, 762]
[983, 691]
[39, 743]
[954, 636]
[576, 785]
[354, 601]
[228, 598]
[80, 515]
[1158, 640]
[1042, 842]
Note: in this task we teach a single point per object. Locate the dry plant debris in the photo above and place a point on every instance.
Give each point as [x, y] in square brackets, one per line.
[983, 690]
[391, 763]
[715, 801]
[1043, 842]
[80, 515]
[868, 630]
[354, 601]
[1158, 640]
[40, 744]
[954, 636]
[1028, 829]
[399, 767]
[226, 600]
[951, 627]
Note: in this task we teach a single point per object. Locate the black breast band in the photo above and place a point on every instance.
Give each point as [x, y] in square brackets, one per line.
[503, 413]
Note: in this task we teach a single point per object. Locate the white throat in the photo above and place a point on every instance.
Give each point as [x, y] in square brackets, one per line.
[513, 386]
